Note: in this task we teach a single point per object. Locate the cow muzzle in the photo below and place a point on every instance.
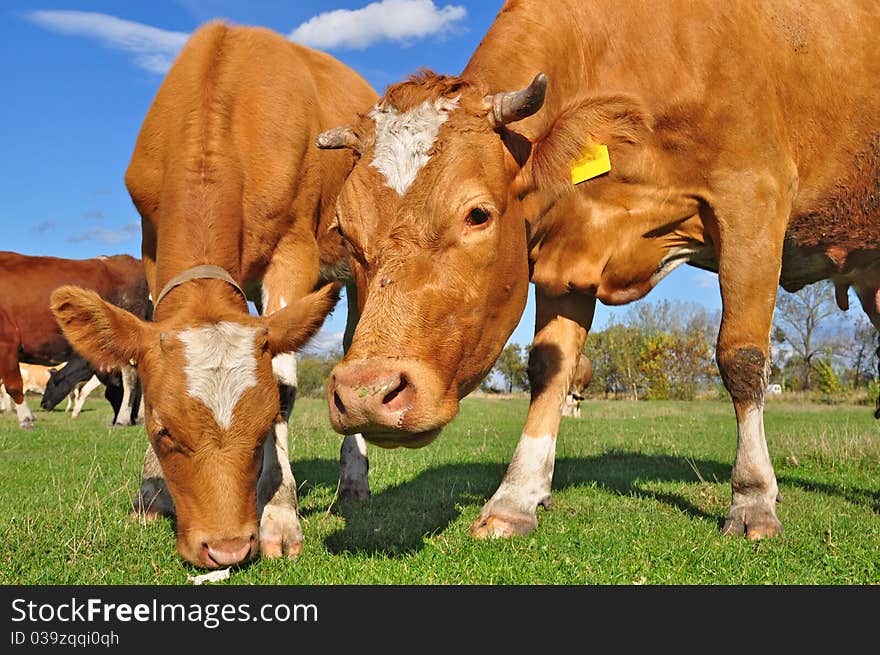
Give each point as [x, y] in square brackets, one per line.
[391, 402]
[216, 551]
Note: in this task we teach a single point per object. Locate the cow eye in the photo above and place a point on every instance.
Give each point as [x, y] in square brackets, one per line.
[164, 440]
[478, 216]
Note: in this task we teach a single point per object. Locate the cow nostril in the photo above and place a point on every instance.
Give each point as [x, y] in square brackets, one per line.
[227, 552]
[338, 402]
[396, 391]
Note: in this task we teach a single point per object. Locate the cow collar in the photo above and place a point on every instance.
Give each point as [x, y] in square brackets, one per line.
[203, 271]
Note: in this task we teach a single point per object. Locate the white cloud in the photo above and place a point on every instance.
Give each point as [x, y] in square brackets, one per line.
[108, 236]
[705, 280]
[154, 49]
[386, 20]
[324, 341]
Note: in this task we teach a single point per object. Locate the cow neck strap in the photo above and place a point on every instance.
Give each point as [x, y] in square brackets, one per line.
[203, 271]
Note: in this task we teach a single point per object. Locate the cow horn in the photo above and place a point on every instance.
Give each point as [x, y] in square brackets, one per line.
[516, 105]
[338, 137]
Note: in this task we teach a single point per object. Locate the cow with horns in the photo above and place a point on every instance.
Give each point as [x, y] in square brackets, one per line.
[741, 138]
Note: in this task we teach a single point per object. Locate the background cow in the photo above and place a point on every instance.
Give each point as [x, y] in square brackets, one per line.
[34, 379]
[235, 202]
[77, 379]
[28, 331]
[743, 138]
[580, 380]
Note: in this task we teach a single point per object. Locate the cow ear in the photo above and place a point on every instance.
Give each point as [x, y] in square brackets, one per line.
[291, 327]
[104, 334]
[618, 122]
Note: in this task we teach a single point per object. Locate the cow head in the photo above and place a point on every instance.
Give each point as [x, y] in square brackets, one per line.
[440, 250]
[62, 381]
[452, 208]
[56, 390]
[210, 400]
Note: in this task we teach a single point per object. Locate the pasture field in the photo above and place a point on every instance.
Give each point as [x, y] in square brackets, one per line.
[639, 493]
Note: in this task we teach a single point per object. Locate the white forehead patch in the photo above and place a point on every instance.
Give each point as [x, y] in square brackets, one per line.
[220, 366]
[404, 139]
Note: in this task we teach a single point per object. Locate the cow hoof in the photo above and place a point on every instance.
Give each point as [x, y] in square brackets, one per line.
[280, 532]
[352, 490]
[753, 521]
[503, 526]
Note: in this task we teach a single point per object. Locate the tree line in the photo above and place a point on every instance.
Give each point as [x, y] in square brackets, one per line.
[666, 350]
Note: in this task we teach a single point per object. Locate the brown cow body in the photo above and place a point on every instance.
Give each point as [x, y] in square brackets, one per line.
[28, 331]
[743, 138]
[224, 174]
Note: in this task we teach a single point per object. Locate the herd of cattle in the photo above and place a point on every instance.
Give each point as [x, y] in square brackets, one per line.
[32, 345]
[589, 151]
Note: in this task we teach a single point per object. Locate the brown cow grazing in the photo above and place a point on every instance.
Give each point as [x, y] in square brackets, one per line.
[580, 380]
[235, 201]
[741, 137]
[28, 331]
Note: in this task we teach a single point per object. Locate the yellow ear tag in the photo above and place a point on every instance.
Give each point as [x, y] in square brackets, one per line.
[594, 163]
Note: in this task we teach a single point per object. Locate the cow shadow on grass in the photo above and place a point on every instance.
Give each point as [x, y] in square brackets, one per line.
[396, 520]
[854, 495]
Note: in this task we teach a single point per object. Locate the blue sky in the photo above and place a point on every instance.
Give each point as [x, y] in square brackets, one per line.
[78, 78]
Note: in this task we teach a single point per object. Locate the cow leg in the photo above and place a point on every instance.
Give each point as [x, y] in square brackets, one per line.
[748, 275]
[92, 384]
[129, 379]
[25, 417]
[561, 326]
[569, 406]
[10, 373]
[354, 466]
[280, 531]
[5, 401]
[292, 273]
[153, 498]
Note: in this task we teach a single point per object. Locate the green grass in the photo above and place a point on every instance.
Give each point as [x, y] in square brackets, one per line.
[640, 490]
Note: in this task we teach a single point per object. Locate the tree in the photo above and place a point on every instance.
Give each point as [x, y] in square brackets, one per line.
[313, 371]
[862, 351]
[676, 364]
[614, 353]
[661, 350]
[802, 320]
[828, 381]
[511, 366]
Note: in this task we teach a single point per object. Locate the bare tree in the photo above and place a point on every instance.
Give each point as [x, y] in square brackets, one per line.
[801, 320]
[862, 356]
